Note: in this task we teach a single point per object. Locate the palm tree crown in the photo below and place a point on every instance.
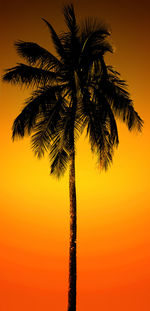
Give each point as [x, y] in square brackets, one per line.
[75, 90]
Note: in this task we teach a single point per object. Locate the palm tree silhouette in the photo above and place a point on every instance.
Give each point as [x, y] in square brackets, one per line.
[76, 90]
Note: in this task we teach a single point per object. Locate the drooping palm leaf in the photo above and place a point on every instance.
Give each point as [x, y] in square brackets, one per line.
[59, 158]
[93, 34]
[46, 127]
[116, 91]
[30, 76]
[36, 106]
[101, 126]
[41, 140]
[93, 46]
[107, 113]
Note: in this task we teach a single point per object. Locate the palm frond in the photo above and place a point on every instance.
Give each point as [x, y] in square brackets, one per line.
[101, 128]
[116, 91]
[35, 54]
[70, 39]
[56, 40]
[40, 141]
[107, 113]
[93, 44]
[66, 128]
[72, 50]
[72, 128]
[92, 26]
[70, 19]
[67, 131]
[30, 76]
[93, 33]
[59, 158]
[36, 106]
[47, 127]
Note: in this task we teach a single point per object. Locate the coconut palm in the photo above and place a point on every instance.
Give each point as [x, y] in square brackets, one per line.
[75, 90]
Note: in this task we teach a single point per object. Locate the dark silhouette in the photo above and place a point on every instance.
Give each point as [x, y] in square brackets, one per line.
[76, 90]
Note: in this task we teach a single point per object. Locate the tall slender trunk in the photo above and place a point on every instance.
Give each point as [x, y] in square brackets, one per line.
[73, 232]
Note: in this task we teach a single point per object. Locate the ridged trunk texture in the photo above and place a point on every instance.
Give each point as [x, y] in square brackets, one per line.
[73, 232]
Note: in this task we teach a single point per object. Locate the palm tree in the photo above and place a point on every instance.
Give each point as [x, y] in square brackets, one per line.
[75, 90]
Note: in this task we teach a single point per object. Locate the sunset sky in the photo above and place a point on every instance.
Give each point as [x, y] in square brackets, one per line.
[113, 251]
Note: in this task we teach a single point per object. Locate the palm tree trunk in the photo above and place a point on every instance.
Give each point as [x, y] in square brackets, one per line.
[73, 230]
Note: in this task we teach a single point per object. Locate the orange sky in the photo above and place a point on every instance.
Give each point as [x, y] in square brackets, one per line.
[113, 207]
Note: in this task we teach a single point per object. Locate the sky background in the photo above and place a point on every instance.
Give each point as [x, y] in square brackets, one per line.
[113, 207]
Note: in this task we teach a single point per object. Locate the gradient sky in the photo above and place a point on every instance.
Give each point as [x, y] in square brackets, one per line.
[113, 207]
